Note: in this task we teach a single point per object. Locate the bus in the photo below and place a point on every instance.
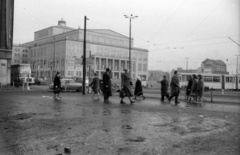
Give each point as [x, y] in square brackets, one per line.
[21, 74]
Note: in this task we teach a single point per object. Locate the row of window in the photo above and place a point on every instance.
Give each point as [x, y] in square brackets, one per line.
[18, 54]
[19, 50]
[210, 78]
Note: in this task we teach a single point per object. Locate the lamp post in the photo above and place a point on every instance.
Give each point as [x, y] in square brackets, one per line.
[187, 64]
[130, 18]
[84, 56]
[237, 64]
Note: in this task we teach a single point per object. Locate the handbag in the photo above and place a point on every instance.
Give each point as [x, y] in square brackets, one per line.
[121, 93]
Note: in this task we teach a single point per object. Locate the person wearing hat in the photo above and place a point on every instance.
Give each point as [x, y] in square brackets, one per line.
[188, 89]
[193, 92]
[200, 88]
[138, 88]
[126, 84]
[175, 88]
[164, 88]
[57, 85]
[107, 90]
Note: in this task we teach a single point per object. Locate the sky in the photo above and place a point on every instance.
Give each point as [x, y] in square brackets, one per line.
[173, 31]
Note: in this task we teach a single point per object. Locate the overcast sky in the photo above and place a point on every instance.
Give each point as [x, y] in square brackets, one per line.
[171, 30]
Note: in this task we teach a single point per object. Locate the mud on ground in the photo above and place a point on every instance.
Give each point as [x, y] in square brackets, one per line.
[33, 124]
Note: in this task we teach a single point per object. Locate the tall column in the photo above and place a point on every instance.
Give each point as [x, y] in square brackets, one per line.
[106, 63]
[100, 64]
[113, 64]
[126, 67]
[94, 64]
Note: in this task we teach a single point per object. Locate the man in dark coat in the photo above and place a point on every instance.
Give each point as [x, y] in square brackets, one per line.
[189, 86]
[175, 88]
[57, 85]
[164, 88]
[107, 90]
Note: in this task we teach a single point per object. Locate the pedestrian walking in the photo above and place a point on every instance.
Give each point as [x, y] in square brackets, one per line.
[107, 90]
[164, 88]
[188, 89]
[175, 88]
[126, 84]
[57, 86]
[200, 89]
[138, 88]
[95, 84]
[194, 88]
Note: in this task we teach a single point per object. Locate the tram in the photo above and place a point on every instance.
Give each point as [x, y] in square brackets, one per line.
[214, 81]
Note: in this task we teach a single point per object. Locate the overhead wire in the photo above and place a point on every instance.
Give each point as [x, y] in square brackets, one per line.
[168, 20]
[203, 20]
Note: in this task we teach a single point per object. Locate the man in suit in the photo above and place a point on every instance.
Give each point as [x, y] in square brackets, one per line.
[107, 90]
[175, 88]
[164, 88]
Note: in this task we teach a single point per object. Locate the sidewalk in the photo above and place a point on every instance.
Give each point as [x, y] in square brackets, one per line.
[216, 99]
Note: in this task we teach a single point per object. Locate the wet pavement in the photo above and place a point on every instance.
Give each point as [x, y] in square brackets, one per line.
[34, 123]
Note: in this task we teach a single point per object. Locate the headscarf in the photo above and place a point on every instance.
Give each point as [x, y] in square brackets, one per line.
[139, 78]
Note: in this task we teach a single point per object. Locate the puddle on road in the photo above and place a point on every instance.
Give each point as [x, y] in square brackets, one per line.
[110, 130]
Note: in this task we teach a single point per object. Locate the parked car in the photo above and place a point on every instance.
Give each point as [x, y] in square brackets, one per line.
[40, 81]
[69, 85]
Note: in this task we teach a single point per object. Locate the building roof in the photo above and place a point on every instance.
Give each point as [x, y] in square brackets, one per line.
[108, 32]
[217, 62]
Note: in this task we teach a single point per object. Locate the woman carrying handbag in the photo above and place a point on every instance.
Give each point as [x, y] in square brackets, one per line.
[126, 84]
[57, 86]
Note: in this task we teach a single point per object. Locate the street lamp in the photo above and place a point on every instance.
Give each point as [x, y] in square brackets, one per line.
[237, 64]
[130, 18]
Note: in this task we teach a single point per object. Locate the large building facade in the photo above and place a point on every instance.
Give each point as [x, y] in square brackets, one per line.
[19, 54]
[210, 66]
[60, 48]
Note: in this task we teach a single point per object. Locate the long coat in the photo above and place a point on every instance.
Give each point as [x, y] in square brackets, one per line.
[95, 85]
[175, 85]
[107, 84]
[194, 86]
[189, 86]
[126, 83]
[138, 88]
[57, 82]
[200, 88]
[164, 87]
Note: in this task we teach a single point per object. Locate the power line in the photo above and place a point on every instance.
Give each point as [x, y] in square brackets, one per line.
[190, 40]
[203, 21]
[182, 47]
[168, 19]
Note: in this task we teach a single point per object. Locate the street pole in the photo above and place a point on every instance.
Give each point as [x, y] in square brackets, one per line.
[130, 17]
[84, 57]
[54, 65]
[237, 64]
[130, 71]
[187, 64]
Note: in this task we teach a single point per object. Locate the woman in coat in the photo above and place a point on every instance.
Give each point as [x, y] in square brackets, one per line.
[194, 88]
[200, 88]
[95, 85]
[138, 88]
[189, 86]
[126, 84]
[57, 85]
